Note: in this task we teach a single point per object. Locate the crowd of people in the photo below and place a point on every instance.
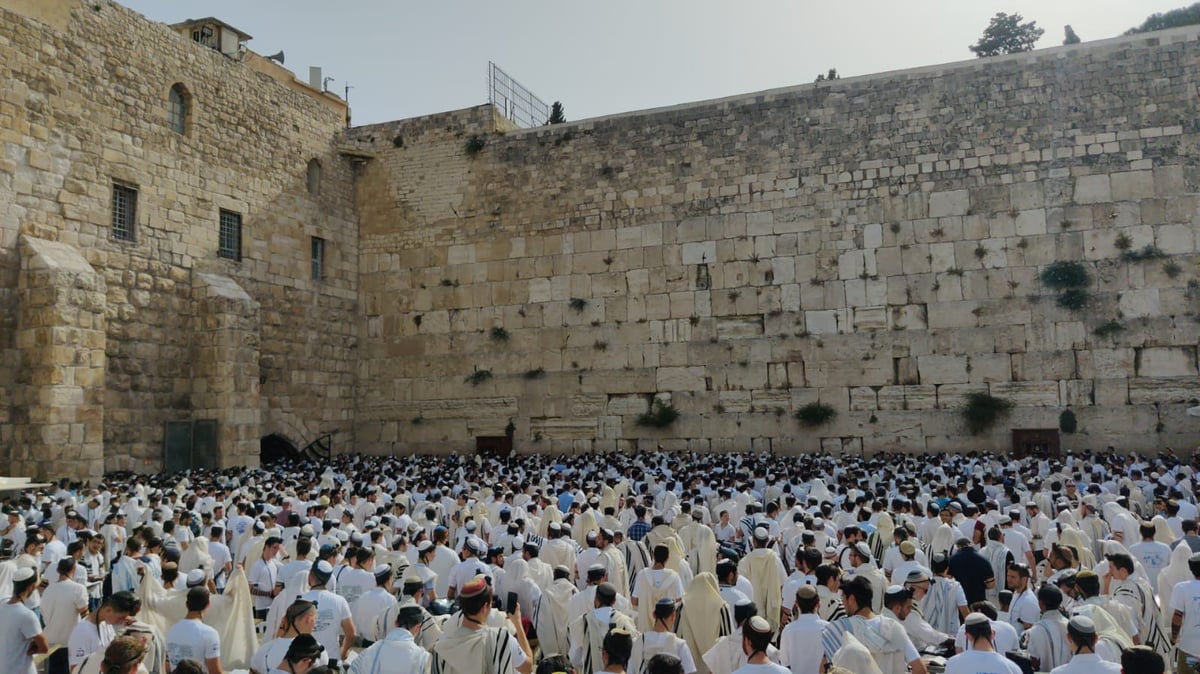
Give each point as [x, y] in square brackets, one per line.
[652, 563]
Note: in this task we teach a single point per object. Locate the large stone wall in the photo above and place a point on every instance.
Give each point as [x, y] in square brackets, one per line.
[873, 243]
[256, 344]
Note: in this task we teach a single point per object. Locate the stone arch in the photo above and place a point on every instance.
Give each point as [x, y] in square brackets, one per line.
[275, 447]
[179, 108]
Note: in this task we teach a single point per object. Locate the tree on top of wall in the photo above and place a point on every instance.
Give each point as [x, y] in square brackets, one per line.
[1184, 16]
[1006, 34]
[556, 114]
[831, 75]
[1069, 36]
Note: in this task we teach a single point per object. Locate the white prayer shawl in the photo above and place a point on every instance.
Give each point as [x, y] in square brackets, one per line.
[761, 568]
[943, 540]
[550, 618]
[636, 559]
[584, 523]
[614, 561]
[727, 656]
[462, 650]
[431, 627]
[885, 640]
[1137, 596]
[230, 614]
[1176, 572]
[196, 557]
[516, 579]
[586, 635]
[7, 569]
[643, 651]
[704, 617]
[854, 657]
[1077, 541]
[701, 548]
[938, 605]
[1107, 629]
[658, 590]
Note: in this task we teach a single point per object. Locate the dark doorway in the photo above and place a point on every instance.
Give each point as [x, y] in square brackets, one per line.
[1035, 442]
[274, 448]
[489, 446]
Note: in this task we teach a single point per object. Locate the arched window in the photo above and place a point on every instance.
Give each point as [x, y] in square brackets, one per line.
[178, 102]
[314, 176]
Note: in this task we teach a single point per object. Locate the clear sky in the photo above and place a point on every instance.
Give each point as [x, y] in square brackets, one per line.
[405, 59]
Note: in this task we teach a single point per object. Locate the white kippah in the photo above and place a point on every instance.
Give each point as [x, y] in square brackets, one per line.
[23, 574]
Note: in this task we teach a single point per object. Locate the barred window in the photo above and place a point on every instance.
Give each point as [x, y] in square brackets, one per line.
[124, 212]
[318, 258]
[230, 244]
[177, 109]
[314, 177]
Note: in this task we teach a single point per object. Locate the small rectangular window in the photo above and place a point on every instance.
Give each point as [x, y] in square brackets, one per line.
[318, 258]
[124, 212]
[230, 244]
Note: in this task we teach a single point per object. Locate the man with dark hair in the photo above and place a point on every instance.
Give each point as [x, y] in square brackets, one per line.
[1142, 660]
[20, 631]
[1024, 608]
[586, 632]
[264, 579]
[191, 639]
[972, 570]
[333, 613]
[1137, 595]
[471, 646]
[615, 651]
[982, 655]
[99, 629]
[302, 656]
[653, 584]
[829, 585]
[756, 640]
[398, 651]
[802, 636]
[890, 646]
[1046, 639]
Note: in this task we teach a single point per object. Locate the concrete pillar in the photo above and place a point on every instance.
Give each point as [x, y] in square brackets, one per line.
[59, 407]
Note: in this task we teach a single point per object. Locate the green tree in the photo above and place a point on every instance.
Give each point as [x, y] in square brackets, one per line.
[1006, 34]
[831, 75]
[1184, 16]
[556, 114]
[1069, 35]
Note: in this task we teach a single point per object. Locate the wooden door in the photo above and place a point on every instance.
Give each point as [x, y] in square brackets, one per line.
[1035, 442]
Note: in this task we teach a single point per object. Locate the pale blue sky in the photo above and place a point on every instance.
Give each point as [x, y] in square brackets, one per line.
[406, 59]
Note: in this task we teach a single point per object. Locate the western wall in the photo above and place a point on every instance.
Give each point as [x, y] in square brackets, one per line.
[874, 244]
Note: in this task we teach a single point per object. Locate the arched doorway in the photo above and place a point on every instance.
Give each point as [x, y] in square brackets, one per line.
[274, 448]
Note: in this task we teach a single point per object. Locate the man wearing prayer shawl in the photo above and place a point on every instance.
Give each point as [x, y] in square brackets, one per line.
[1135, 594]
[613, 560]
[550, 617]
[704, 617]
[586, 632]
[885, 638]
[637, 556]
[763, 568]
[727, 655]
[653, 584]
[398, 651]
[470, 646]
[700, 545]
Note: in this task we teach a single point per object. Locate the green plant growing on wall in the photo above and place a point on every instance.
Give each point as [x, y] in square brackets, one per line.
[1108, 329]
[398, 141]
[1070, 279]
[475, 145]
[660, 415]
[577, 303]
[478, 377]
[1067, 423]
[1147, 252]
[1172, 269]
[1123, 242]
[535, 373]
[815, 414]
[982, 411]
[499, 334]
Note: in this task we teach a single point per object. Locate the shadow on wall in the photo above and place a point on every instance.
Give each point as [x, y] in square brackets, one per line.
[274, 448]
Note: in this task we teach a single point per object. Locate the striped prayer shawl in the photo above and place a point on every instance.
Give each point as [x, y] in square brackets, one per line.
[497, 658]
[1149, 627]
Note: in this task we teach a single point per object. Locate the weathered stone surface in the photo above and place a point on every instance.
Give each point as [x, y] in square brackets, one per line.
[1166, 361]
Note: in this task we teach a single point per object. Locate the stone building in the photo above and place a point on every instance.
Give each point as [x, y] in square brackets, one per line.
[877, 245]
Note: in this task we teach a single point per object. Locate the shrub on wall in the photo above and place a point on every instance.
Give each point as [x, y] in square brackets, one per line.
[660, 415]
[815, 414]
[983, 410]
[1067, 423]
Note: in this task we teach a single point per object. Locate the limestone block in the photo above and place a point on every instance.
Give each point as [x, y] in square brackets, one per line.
[739, 327]
[1078, 392]
[681, 378]
[822, 322]
[564, 429]
[1131, 185]
[954, 396]
[954, 314]
[700, 252]
[1026, 196]
[1167, 361]
[1137, 303]
[863, 398]
[1027, 393]
[990, 367]
[909, 317]
[954, 202]
[942, 369]
[783, 270]
[1093, 189]
[609, 428]
[1175, 239]
[1144, 390]
[1031, 222]
[871, 318]
[942, 255]
[749, 376]
[734, 401]
[1111, 392]
[851, 264]
[796, 373]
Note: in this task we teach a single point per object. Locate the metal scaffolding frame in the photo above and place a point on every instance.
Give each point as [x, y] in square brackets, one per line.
[518, 104]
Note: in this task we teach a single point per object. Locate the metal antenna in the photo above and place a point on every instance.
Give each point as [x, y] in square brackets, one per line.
[325, 83]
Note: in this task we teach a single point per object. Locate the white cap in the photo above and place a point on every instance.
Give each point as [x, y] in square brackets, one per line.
[196, 577]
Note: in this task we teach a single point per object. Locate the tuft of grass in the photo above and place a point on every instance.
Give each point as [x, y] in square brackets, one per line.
[499, 334]
[449, 283]
[1064, 275]
[418, 420]
[535, 373]
[1123, 242]
[474, 145]
[600, 345]
[1147, 252]
[1074, 299]
[398, 141]
[980, 252]
[578, 303]
[815, 414]
[1172, 269]
[1108, 329]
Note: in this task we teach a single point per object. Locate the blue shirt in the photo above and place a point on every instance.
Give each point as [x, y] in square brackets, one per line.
[638, 530]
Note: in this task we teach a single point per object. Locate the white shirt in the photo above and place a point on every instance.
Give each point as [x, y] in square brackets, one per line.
[1006, 637]
[1087, 663]
[1024, 609]
[332, 609]
[17, 626]
[1154, 557]
[87, 638]
[61, 603]
[1185, 597]
[192, 639]
[268, 656]
[369, 606]
[975, 662]
[263, 576]
[399, 652]
[800, 644]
